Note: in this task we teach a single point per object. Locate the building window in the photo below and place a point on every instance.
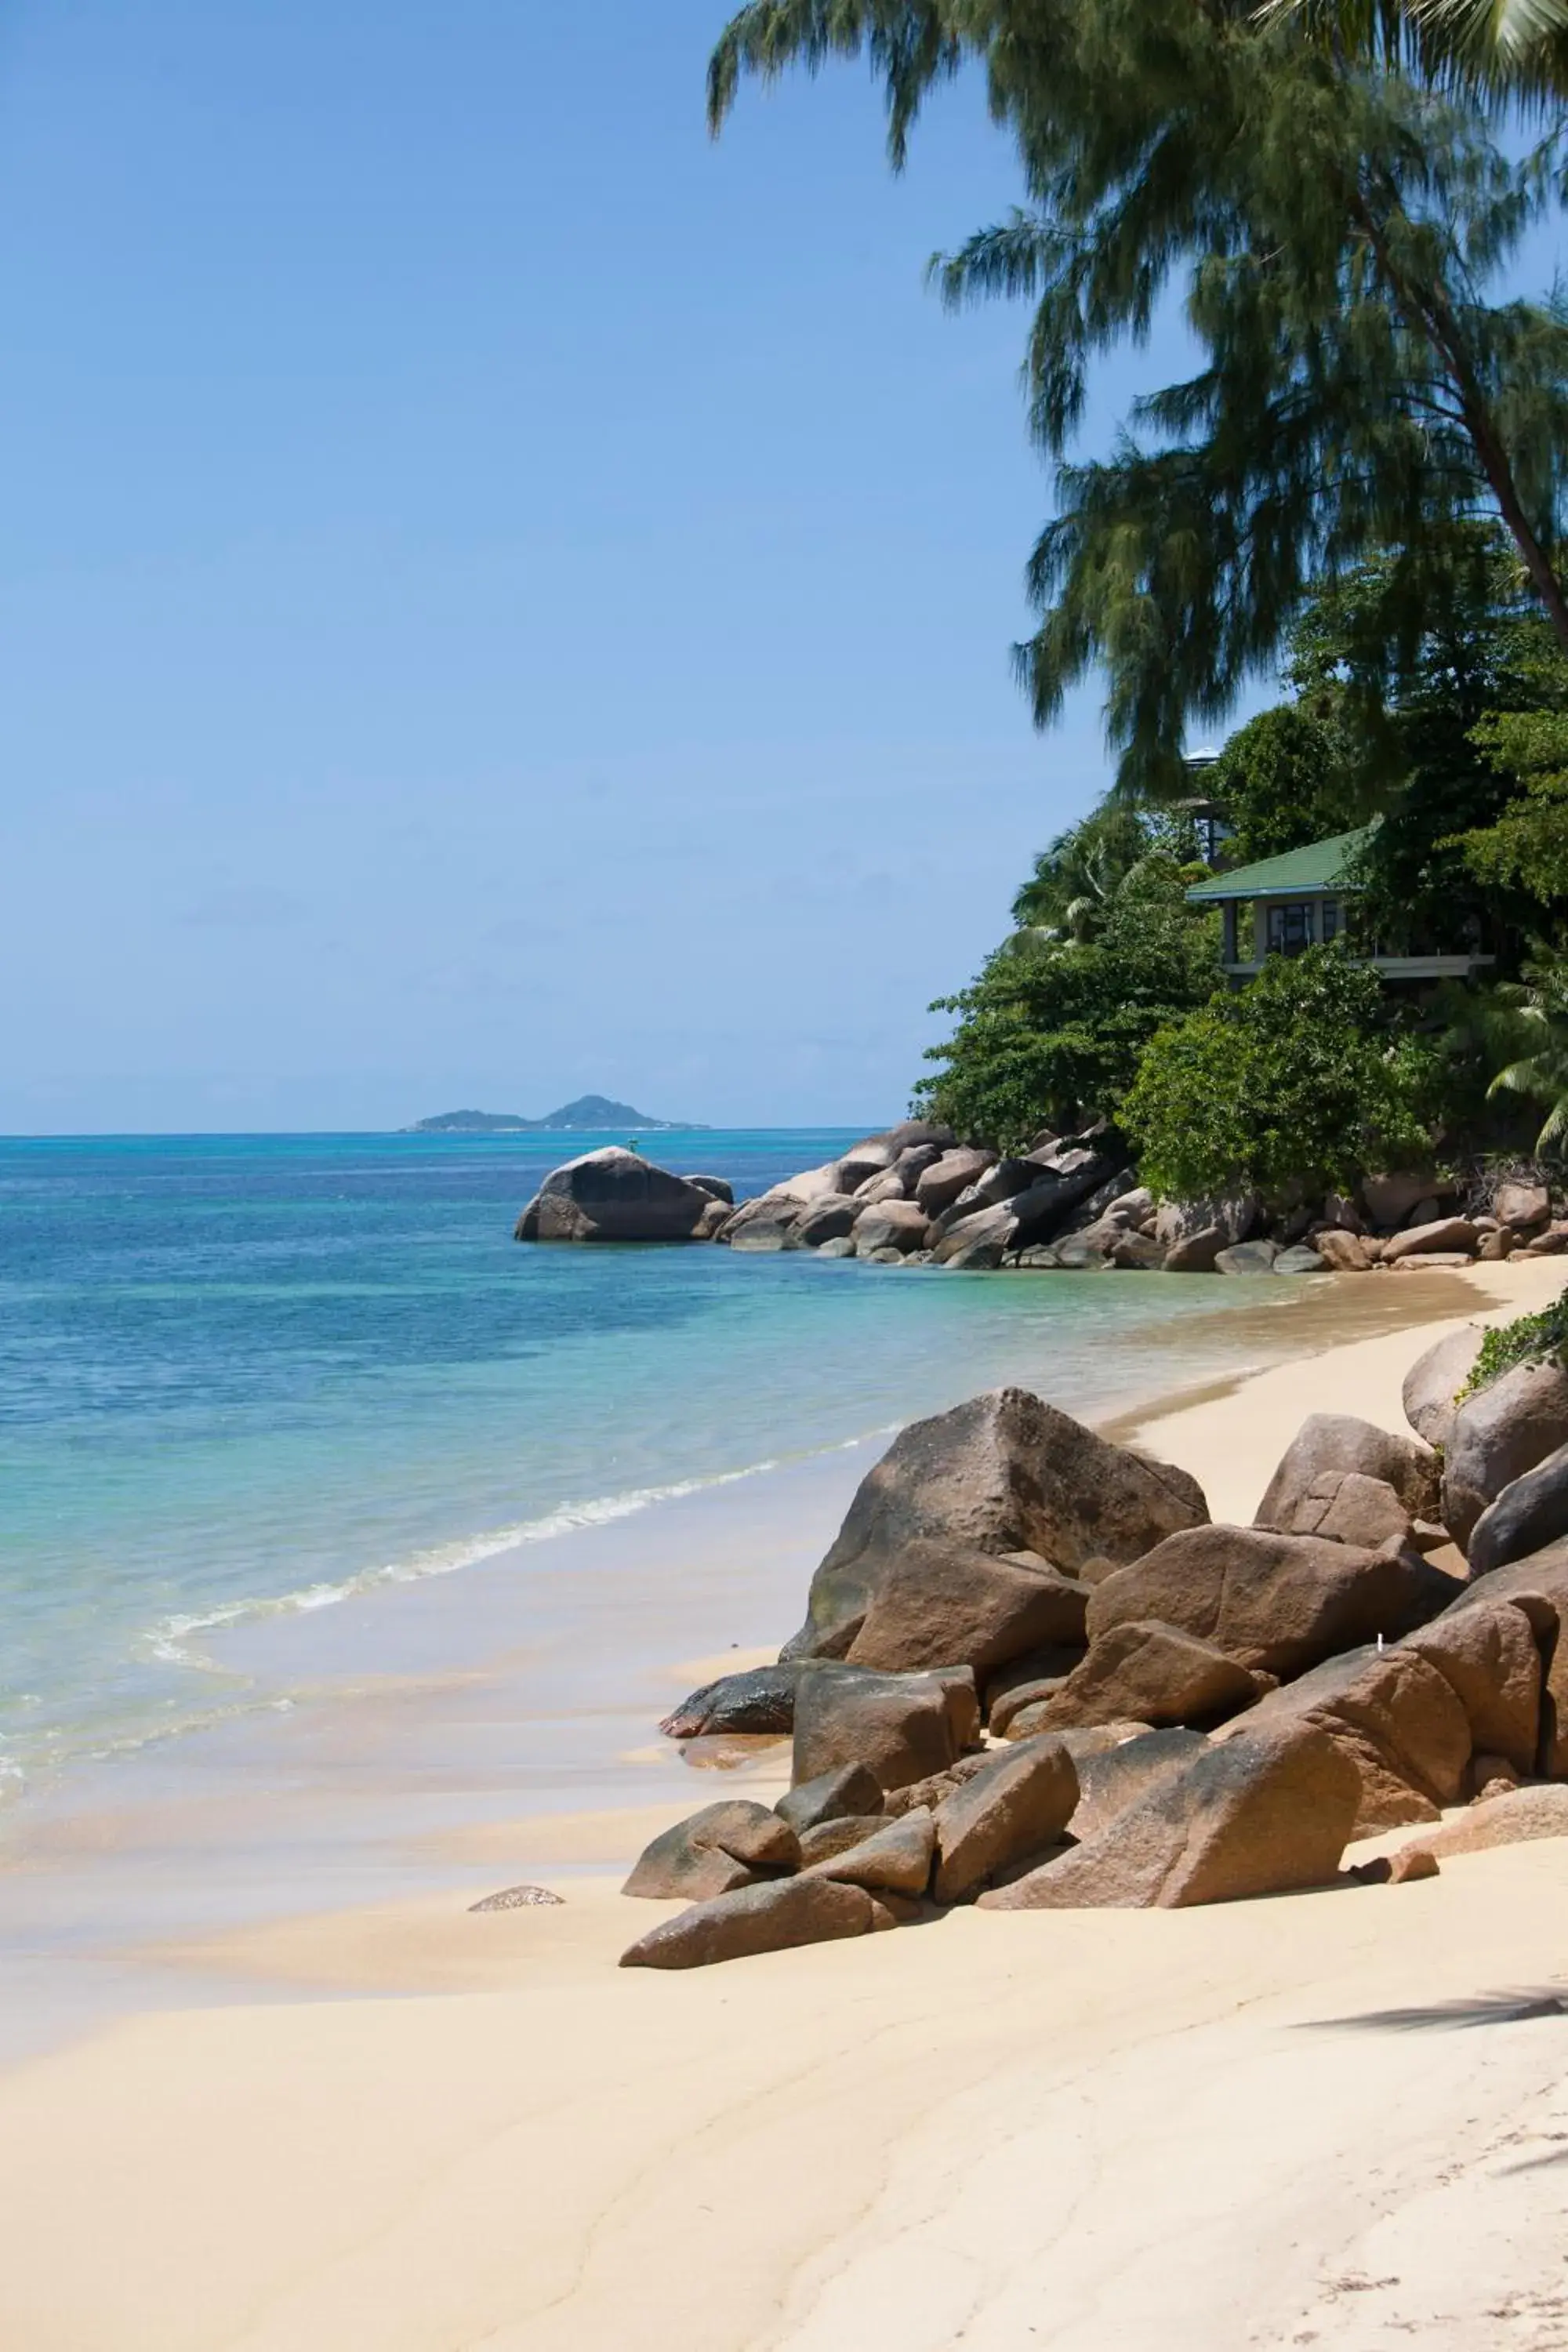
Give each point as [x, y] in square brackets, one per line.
[1330, 920]
[1290, 927]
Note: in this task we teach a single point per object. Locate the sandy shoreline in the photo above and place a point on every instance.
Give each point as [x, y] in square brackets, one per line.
[437, 2130]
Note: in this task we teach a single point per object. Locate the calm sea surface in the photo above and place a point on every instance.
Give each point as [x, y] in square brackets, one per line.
[240, 1375]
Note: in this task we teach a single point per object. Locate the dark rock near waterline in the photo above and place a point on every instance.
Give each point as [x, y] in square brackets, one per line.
[613, 1196]
[1002, 1472]
[761, 1699]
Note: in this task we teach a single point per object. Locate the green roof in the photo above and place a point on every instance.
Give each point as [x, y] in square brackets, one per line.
[1320, 865]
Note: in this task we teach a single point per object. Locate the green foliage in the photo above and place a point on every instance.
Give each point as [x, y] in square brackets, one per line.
[1051, 1031]
[1293, 1079]
[1285, 779]
[1531, 1340]
[1539, 1072]
[1075, 881]
[1338, 236]
[1527, 844]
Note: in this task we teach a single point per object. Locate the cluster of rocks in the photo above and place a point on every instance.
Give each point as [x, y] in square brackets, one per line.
[915, 1196]
[1033, 1674]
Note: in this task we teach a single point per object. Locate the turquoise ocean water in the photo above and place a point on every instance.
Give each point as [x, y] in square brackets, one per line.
[245, 1375]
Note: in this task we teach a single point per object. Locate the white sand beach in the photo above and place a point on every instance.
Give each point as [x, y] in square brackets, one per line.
[1336, 2118]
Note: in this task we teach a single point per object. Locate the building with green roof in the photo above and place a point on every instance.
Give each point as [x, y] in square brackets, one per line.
[1281, 906]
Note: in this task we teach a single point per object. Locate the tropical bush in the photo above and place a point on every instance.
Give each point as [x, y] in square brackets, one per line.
[1051, 1032]
[1528, 1340]
[1293, 1081]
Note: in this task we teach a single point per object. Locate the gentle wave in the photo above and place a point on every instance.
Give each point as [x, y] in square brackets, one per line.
[168, 1641]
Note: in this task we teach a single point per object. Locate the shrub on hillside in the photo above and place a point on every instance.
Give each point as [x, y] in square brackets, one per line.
[1052, 1031]
[1294, 1080]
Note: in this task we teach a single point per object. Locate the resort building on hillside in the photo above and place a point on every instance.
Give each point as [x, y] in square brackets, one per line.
[1281, 905]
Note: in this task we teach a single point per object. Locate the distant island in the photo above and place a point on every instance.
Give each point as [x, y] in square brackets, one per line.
[589, 1115]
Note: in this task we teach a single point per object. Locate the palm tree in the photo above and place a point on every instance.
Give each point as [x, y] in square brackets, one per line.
[1540, 1006]
[1511, 48]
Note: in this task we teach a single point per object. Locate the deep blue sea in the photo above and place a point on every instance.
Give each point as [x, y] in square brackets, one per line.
[246, 1374]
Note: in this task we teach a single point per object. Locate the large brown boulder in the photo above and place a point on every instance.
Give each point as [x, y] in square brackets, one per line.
[827, 1219]
[890, 1224]
[1523, 1205]
[1114, 1778]
[1339, 1441]
[1397, 1719]
[1263, 1813]
[1452, 1237]
[941, 1185]
[1499, 1434]
[895, 1858]
[938, 1604]
[1516, 1818]
[830, 1797]
[1488, 1655]
[1353, 1508]
[725, 1846]
[1539, 1587]
[1020, 1803]
[613, 1196]
[754, 1919]
[1002, 1472]
[1342, 1253]
[901, 1727]
[978, 1239]
[1150, 1672]
[1528, 1515]
[1432, 1385]
[1274, 1603]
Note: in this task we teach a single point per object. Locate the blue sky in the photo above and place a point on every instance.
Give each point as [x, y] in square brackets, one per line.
[499, 596]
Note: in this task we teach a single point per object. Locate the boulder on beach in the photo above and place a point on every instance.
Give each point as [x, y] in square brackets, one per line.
[1395, 1716]
[1451, 1236]
[1278, 1603]
[1521, 1204]
[1531, 1512]
[830, 1219]
[944, 1604]
[1339, 1441]
[1112, 1779]
[1002, 1472]
[725, 1846]
[848, 1789]
[901, 1727]
[1500, 1432]
[1390, 1199]
[893, 1857]
[946, 1178]
[1264, 1813]
[835, 1837]
[752, 1919]
[1489, 1653]
[1538, 1586]
[1020, 1803]
[761, 1699]
[1353, 1508]
[1517, 1817]
[1150, 1672]
[1430, 1394]
[613, 1196]
[1342, 1252]
[1248, 1257]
